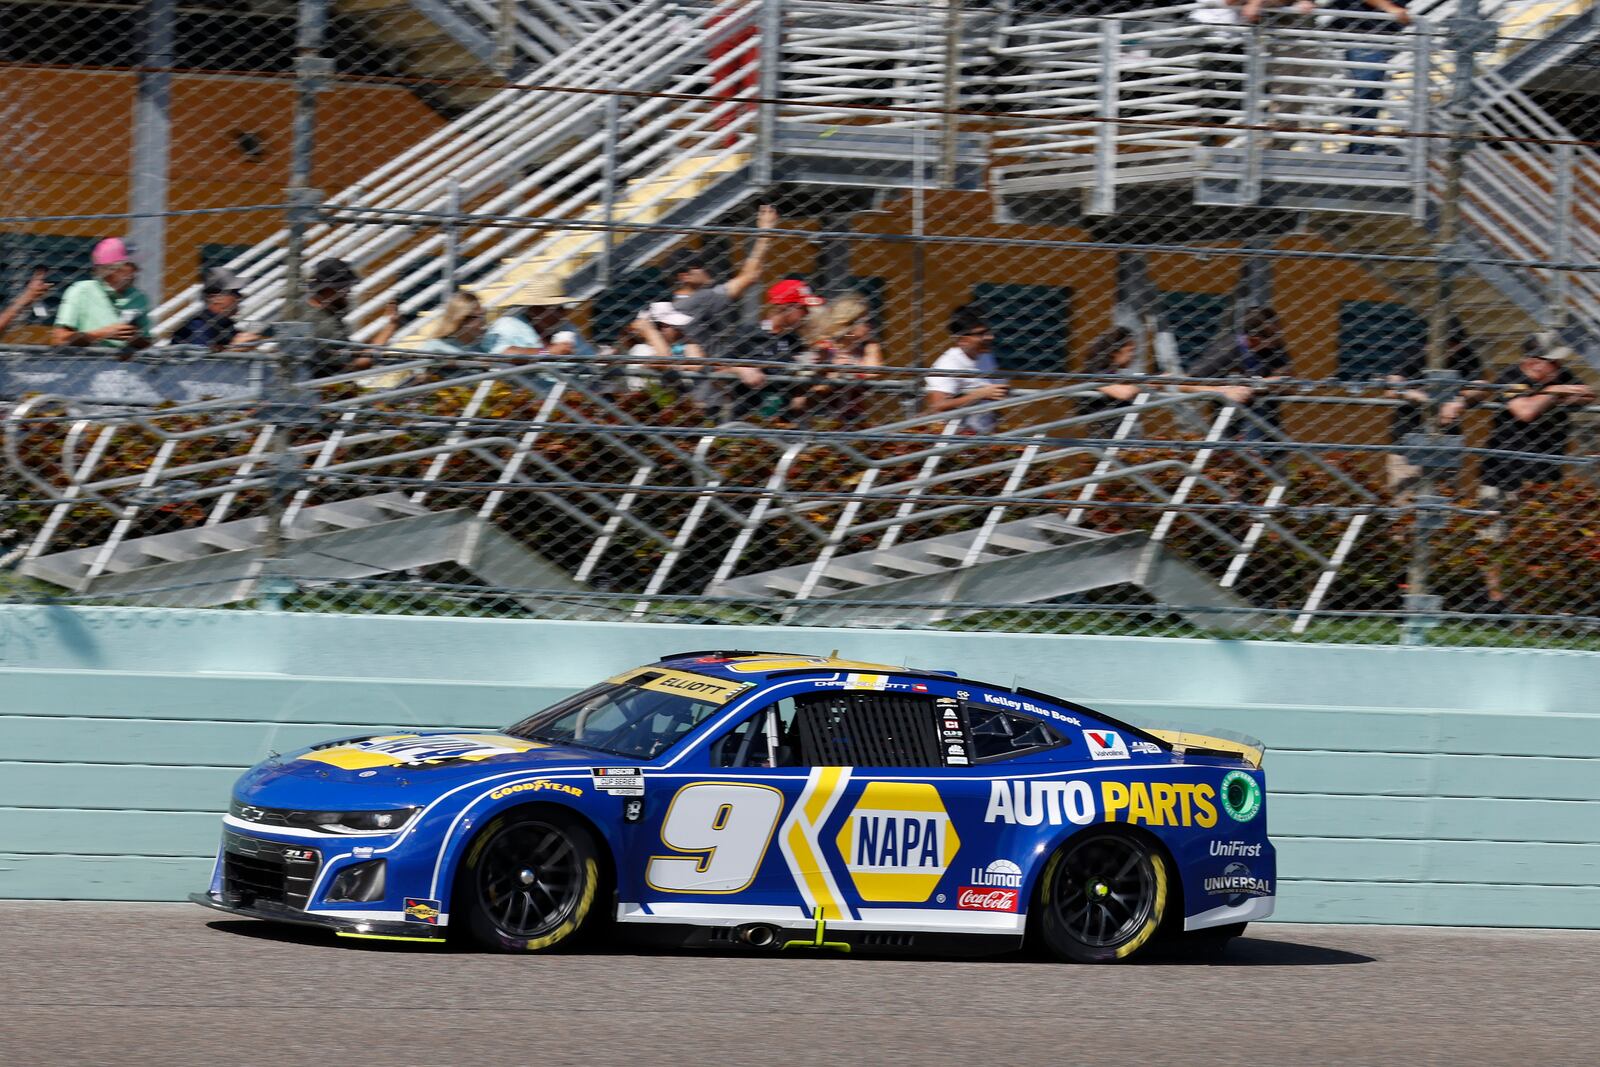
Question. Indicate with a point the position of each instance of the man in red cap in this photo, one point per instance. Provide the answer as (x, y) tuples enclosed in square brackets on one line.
[(787, 305)]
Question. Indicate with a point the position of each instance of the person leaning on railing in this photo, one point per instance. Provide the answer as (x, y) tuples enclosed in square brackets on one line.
[(214, 326), (972, 354), (1114, 354), (844, 347), (106, 311), (1291, 53), (1535, 420)]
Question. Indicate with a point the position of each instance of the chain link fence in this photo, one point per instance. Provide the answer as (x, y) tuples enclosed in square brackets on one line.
[(1208, 319)]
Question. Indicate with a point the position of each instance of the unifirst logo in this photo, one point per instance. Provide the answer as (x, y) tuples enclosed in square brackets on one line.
[(898, 841)]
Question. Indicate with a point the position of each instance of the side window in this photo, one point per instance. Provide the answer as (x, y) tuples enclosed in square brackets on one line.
[(1000, 734), (765, 739), (872, 729)]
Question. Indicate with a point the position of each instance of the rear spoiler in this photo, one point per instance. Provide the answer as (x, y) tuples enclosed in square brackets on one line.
[(1251, 751)]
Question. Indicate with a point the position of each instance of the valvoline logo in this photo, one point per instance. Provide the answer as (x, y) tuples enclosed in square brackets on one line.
[(1105, 744), (898, 841)]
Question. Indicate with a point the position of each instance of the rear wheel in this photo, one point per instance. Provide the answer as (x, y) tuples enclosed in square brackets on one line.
[(1102, 897), (530, 882)]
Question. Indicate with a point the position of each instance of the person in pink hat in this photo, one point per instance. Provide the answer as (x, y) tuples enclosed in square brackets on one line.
[(105, 311)]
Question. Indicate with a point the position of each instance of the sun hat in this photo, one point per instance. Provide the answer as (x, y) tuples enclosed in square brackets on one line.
[(665, 313), (542, 290)]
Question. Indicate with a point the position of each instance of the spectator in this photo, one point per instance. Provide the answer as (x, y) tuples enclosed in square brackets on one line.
[(843, 345), (1366, 58), (562, 343), (328, 289), (972, 351), (214, 326), (1534, 421), (105, 311), (1220, 62), (1462, 361), (537, 313), (1255, 350), (655, 341), (37, 288), (460, 329), (1113, 355), (778, 340), (1291, 55), (713, 308)]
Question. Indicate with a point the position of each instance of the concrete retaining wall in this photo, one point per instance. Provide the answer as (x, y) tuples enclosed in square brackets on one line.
[(1408, 785)]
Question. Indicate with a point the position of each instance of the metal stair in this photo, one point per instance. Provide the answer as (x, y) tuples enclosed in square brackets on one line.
[(347, 539), (1025, 561), (678, 112)]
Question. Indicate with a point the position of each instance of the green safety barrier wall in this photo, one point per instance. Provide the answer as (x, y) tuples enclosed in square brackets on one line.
[(1408, 785)]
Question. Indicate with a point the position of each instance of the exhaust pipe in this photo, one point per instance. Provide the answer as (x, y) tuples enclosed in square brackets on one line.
[(758, 935)]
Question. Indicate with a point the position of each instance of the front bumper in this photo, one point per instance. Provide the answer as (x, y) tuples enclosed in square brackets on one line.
[(344, 927)]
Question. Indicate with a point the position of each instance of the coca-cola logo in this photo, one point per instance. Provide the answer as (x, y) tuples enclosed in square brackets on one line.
[(986, 899)]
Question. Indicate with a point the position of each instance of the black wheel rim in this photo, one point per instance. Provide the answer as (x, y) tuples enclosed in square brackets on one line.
[(529, 879), (1104, 890)]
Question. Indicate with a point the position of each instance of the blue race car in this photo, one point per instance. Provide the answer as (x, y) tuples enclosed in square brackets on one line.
[(765, 800)]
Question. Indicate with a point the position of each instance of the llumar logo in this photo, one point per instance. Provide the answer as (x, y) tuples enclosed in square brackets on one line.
[(898, 841)]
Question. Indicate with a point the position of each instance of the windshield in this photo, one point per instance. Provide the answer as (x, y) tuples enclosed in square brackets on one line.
[(623, 719)]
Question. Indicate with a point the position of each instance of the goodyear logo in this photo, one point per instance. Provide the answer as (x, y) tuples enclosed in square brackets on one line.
[(898, 841), (535, 787), (410, 750)]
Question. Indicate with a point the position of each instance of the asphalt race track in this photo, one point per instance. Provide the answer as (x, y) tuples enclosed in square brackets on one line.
[(170, 984)]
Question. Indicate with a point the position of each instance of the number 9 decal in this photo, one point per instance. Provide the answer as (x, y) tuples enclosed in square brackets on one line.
[(720, 832)]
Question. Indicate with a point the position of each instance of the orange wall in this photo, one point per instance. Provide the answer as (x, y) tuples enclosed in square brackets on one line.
[(66, 147)]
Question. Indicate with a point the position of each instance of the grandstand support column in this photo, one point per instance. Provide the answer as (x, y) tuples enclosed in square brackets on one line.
[(1469, 34), (294, 350), (152, 139), (951, 127), (1561, 244), (609, 164), (769, 85), (1104, 200)]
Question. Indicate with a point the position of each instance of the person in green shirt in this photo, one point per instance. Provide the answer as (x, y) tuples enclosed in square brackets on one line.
[(105, 311)]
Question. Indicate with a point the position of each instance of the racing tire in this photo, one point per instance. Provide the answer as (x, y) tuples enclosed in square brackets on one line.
[(1102, 897), (530, 882)]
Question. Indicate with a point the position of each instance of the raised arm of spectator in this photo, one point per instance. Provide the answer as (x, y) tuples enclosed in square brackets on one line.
[(1392, 9), (646, 328), (37, 286), (750, 270), (391, 323)]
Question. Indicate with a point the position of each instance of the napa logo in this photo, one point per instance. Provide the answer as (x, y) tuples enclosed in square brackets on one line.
[(898, 841)]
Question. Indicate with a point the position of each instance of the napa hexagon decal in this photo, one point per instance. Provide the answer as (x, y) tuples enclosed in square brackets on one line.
[(898, 841)]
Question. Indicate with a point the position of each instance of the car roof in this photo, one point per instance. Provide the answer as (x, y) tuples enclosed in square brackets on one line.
[(748, 666)]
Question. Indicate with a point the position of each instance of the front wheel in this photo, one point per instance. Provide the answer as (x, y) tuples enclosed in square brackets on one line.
[(1103, 896), (529, 882)]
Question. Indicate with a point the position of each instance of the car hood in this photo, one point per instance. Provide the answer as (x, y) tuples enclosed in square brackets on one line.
[(398, 769)]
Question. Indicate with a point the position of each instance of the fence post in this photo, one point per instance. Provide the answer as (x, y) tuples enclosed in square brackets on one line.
[(1468, 35), (452, 235), (293, 333), (608, 196)]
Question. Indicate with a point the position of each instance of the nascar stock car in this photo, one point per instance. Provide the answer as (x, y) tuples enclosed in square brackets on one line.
[(763, 801)]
